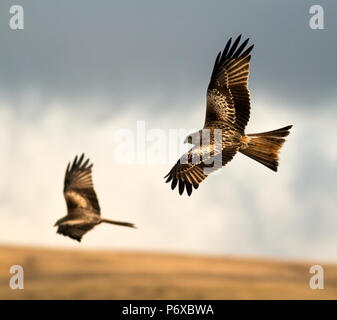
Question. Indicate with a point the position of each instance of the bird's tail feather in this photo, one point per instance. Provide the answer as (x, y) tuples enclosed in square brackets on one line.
[(119, 223), (265, 147)]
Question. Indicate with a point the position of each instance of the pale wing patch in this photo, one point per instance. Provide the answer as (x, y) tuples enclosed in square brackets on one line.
[(195, 165), (220, 107), (76, 200), (73, 222)]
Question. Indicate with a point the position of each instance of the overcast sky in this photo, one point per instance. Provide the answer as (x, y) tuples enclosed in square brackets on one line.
[(82, 70)]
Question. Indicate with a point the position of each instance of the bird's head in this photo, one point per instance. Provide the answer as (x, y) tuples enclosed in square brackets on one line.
[(188, 139), (193, 138)]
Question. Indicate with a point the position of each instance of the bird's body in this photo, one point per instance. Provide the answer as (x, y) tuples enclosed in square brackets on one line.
[(227, 114), (82, 203)]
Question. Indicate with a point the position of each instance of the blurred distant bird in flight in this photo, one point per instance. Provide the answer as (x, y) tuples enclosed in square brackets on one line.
[(84, 212), (227, 114)]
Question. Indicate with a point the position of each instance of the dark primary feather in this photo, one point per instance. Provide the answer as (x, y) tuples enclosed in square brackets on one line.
[(190, 175), (78, 182), (228, 99)]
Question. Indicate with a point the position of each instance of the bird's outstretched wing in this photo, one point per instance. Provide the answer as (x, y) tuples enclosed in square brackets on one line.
[(195, 165), (78, 186), (228, 99)]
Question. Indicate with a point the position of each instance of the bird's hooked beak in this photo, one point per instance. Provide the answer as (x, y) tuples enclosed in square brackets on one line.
[(188, 140)]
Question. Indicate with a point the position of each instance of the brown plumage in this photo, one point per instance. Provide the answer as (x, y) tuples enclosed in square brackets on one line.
[(227, 114), (84, 212)]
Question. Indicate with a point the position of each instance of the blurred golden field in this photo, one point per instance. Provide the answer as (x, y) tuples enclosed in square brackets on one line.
[(67, 274)]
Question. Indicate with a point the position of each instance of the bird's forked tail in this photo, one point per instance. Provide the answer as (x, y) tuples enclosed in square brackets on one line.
[(265, 147), (119, 223)]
